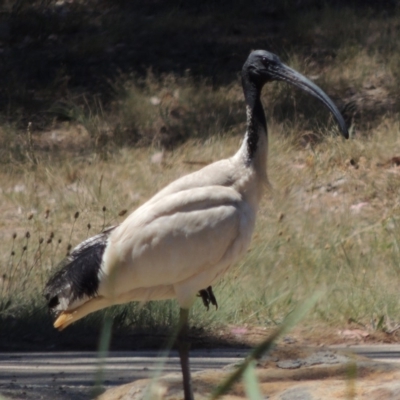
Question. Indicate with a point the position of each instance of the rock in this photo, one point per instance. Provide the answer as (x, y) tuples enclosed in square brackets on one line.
[(300, 374), (289, 364), (296, 394)]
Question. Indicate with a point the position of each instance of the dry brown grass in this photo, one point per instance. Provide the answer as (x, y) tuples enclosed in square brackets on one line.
[(330, 221)]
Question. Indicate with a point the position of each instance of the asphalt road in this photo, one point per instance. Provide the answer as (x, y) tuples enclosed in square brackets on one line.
[(70, 375)]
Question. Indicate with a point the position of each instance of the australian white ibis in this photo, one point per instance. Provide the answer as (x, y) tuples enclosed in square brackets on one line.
[(187, 235)]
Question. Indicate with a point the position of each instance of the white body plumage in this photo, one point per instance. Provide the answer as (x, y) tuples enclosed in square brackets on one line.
[(181, 240)]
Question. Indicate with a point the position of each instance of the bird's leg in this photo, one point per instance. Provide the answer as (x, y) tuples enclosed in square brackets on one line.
[(212, 298), (183, 348), (208, 297)]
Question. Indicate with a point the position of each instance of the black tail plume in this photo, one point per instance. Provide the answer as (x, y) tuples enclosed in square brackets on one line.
[(77, 276)]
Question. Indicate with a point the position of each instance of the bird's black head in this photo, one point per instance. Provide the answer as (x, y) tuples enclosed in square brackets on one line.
[(262, 66)]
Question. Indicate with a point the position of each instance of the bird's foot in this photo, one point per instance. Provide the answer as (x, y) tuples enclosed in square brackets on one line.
[(208, 297)]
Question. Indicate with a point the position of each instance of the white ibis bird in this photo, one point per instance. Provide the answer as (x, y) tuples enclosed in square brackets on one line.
[(187, 235)]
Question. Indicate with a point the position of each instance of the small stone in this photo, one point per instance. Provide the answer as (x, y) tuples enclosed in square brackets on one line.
[(296, 394), (289, 364), (155, 100), (157, 158), (289, 340)]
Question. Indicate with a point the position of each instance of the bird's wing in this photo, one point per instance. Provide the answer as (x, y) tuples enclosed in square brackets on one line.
[(219, 173), (176, 239)]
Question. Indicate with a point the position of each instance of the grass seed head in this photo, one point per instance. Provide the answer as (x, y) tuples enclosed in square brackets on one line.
[(76, 216), (122, 213), (27, 235)]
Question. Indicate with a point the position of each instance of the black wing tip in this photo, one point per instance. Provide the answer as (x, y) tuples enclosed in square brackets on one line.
[(77, 275), (51, 294)]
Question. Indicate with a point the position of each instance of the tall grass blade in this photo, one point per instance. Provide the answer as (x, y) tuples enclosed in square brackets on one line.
[(351, 380), (104, 345), (150, 390), (251, 385)]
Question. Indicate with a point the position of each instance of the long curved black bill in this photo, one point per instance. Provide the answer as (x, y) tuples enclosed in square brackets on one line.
[(289, 75)]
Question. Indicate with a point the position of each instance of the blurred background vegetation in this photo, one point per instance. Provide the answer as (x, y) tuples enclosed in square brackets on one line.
[(140, 72)]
